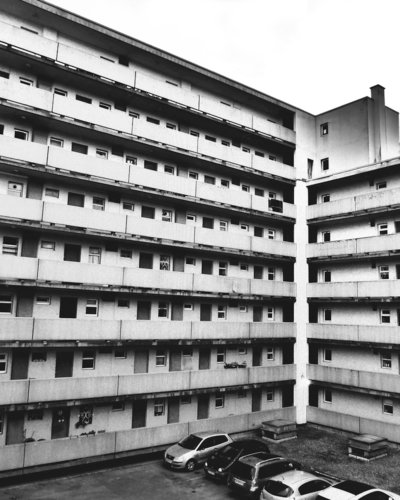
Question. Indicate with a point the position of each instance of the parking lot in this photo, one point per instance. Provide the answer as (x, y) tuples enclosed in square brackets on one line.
[(321, 449)]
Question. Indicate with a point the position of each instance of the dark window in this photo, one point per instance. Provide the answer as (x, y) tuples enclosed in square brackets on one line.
[(324, 128), (208, 222), (209, 180), (325, 164), (82, 98), (146, 260), (1, 129), (259, 153), (236, 144), (72, 253), (76, 199), (259, 192), (257, 314), (148, 212), (123, 60), (258, 272), (326, 236), (258, 231), (117, 151), (79, 148), (4, 74), (121, 106), (143, 310), (211, 138), (206, 267), (150, 165), (205, 312), (153, 120)]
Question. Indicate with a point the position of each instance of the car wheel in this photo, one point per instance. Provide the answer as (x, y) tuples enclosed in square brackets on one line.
[(190, 466)]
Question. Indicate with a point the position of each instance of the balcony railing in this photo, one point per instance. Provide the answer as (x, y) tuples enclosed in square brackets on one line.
[(64, 389), (371, 334), (356, 289)]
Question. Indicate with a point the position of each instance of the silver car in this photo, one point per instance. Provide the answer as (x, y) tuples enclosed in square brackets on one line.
[(195, 449), (294, 485)]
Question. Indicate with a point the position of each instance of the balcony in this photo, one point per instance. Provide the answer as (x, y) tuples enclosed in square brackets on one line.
[(332, 249), (25, 95), (21, 268), (162, 135), (155, 330), (368, 202), (272, 167), (272, 330), (163, 280), (358, 334), (13, 329), (355, 289), (151, 228), (162, 182), (83, 217), (221, 284), (20, 208), (273, 247), (63, 329), (272, 288), (25, 151), (220, 152), (228, 113), (30, 42), (274, 129), (77, 272), (380, 382)]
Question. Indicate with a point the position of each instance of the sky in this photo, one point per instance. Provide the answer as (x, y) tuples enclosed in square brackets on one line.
[(313, 54)]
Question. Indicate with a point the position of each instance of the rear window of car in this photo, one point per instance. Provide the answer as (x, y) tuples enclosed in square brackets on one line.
[(278, 489), (272, 469), (353, 487), (243, 471)]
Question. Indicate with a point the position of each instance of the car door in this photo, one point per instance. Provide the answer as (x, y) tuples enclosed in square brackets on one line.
[(219, 442), (205, 449)]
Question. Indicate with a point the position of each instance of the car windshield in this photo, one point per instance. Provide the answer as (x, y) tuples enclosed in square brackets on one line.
[(244, 471), (278, 489), (190, 443), (229, 452)]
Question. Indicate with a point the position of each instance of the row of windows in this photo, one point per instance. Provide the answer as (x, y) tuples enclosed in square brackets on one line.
[(381, 228), (387, 404), (385, 357), (385, 315), (383, 273), (326, 197)]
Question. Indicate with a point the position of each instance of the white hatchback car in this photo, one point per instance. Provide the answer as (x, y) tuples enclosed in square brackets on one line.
[(195, 449), (353, 490), (294, 485)]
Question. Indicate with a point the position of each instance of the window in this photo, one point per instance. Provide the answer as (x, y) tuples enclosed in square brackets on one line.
[(245, 149), (26, 81), (148, 212), (94, 255), (145, 260), (56, 141), (10, 245), (125, 253), (120, 354), (225, 183), (166, 215), (325, 164), (3, 362), (91, 307), (387, 406), (242, 350), (223, 268), (194, 133), (188, 307), (270, 395), (190, 261), (123, 303), (98, 203), (143, 310), (39, 356), (35, 415), (259, 153), (45, 301), (271, 234), (328, 396), (225, 143), (150, 119), (223, 225), (76, 199), (21, 134), (326, 236), (187, 352), (270, 313), (15, 189), (101, 153), (159, 407), (244, 227), (131, 160), (258, 272), (134, 114), (245, 188), (208, 222), (79, 148), (221, 314), (381, 185), (4, 74), (219, 400), (193, 175), (270, 353), (150, 165), (169, 170), (259, 192), (163, 310), (83, 98), (118, 406), (6, 304), (52, 193), (327, 354), (243, 309), (244, 267), (208, 179), (191, 217), (325, 198), (161, 357), (127, 205), (206, 266), (384, 272), (88, 360), (324, 129), (258, 232), (385, 315), (326, 276), (220, 355), (105, 105), (383, 228), (272, 157), (186, 399), (171, 126), (271, 273), (327, 314), (165, 262), (386, 359), (61, 92), (210, 138)]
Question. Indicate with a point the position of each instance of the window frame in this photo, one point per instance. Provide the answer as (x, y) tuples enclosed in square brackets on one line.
[(92, 304), (89, 359), (161, 357)]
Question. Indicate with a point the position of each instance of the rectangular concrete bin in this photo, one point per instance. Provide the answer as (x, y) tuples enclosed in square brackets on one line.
[(367, 447), (278, 430)]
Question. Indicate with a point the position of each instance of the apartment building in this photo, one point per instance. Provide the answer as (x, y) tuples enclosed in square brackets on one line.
[(156, 244)]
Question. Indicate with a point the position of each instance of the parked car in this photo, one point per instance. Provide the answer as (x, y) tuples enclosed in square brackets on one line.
[(353, 490), (195, 449), (249, 474), (219, 464), (294, 484)]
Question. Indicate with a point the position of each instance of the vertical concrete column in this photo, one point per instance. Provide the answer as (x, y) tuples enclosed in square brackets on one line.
[(379, 122)]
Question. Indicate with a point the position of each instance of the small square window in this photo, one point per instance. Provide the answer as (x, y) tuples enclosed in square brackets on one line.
[(61, 92), (194, 133), (94, 255), (98, 203), (190, 261), (325, 164), (166, 215), (43, 300), (134, 114), (244, 227), (324, 129), (127, 205), (210, 138), (245, 188), (39, 356), (79, 148), (386, 359), (326, 276), (259, 192), (125, 253), (272, 157), (243, 309), (270, 353), (191, 218), (223, 268), (186, 399), (193, 175), (10, 245), (187, 352), (118, 406), (258, 232), (26, 81), (101, 153), (219, 400), (327, 354), (171, 126), (35, 415), (223, 225), (384, 272), (56, 141), (163, 309), (52, 193), (88, 360), (21, 134), (242, 350), (327, 315), (245, 149), (48, 245), (169, 170), (221, 314), (328, 396), (150, 165), (385, 315), (92, 306), (387, 406), (148, 212), (270, 313), (150, 119), (271, 273), (208, 179), (220, 355), (326, 236), (259, 153), (270, 395), (383, 228), (325, 198), (225, 183), (6, 304), (381, 185), (123, 303), (105, 105), (244, 267), (120, 354), (131, 160), (15, 189), (271, 234), (225, 143), (161, 357), (3, 362), (165, 263), (159, 407), (188, 307), (83, 98)]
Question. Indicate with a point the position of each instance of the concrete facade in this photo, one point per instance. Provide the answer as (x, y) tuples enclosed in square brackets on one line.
[(155, 257)]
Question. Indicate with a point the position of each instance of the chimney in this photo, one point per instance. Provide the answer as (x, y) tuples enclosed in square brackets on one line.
[(379, 122)]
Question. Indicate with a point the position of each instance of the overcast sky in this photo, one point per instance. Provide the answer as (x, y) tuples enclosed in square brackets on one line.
[(314, 54)]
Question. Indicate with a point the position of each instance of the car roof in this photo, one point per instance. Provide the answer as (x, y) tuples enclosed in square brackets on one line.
[(205, 434), (354, 487), (260, 456), (245, 442), (293, 477)]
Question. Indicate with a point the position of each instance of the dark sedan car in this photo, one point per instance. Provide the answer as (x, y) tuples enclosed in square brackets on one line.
[(218, 465)]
